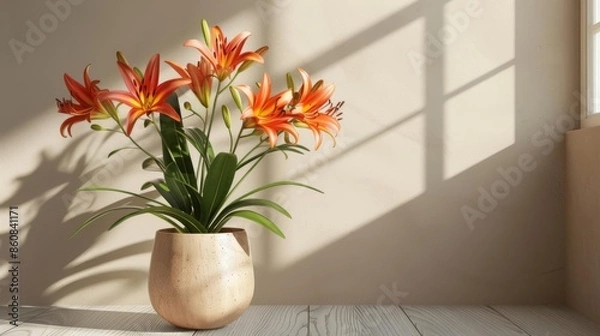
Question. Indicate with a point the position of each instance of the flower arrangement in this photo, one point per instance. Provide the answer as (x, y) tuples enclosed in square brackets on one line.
[(197, 195)]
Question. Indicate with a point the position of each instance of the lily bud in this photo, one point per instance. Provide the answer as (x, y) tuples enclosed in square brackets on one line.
[(138, 72), (290, 81), (226, 116), (205, 96), (121, 57), (236, 97), (206, 32), (187, 106), (97, 127)]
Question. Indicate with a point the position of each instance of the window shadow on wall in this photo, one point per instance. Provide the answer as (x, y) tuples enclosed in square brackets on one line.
[(406, 248)]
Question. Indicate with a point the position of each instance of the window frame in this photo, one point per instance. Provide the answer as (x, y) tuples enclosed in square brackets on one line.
[(588, 29)]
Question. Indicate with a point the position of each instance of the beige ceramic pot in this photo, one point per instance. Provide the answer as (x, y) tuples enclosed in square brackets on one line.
[(201, 281)]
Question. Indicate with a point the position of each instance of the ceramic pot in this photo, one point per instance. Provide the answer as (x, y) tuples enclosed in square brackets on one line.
[(201, 281)]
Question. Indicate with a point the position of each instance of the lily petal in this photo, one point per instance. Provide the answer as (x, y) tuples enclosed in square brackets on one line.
[(164, 90), (132, 117), (123, 97), (152, 70), (131, 79)]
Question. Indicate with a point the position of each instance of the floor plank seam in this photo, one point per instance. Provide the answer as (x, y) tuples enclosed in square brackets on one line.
[(411, 321), (44, 311), (509, 320), (308, 322), (5, 331), (47, 309)]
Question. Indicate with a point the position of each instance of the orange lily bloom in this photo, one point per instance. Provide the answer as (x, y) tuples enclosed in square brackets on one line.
[(225, 56), (312, 108), (201, 77), (87, 106), (266, 113), (145, 95)]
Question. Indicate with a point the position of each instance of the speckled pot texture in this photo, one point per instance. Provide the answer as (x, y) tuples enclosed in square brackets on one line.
[(201, 281)]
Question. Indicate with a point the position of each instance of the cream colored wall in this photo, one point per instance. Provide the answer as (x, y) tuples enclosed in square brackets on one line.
[(583, 231), (446, 185)]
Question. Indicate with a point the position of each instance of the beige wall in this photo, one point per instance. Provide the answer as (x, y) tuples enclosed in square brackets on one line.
[(583, 229), (443, 99)]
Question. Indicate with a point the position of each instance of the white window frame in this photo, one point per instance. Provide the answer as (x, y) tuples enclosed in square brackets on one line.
[(588, 69)]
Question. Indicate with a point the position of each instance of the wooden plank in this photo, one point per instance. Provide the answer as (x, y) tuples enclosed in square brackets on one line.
[(266, 321), (322, 320), (359, 320), (108, 320), (25, 313), (549, 320), (460, 321)]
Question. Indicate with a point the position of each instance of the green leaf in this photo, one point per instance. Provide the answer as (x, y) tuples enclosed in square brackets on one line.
[(276, 184), (163, 190), (247, 203), (199, 140), (257, 202), (177, 227), (196, 201), (177, 189), (258, 218), (175, 147), (100, 215), (152, 164), (118, 150), (187, 220), (298, 149), (217, 183), (122, 192)]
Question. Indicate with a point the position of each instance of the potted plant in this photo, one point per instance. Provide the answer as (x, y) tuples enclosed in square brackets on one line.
[(201, 274)]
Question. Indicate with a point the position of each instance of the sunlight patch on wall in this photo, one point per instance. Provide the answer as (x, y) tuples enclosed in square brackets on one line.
[(377, 20), (479, 123), (369, 178), (378, 163), (384, 32), (465, 36)]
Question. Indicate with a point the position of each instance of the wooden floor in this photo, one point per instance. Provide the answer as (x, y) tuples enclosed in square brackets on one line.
[(313, 320)]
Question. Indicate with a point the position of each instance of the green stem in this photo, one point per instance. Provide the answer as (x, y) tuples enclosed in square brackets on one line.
[(198, 115), (163, 140), (205, 120), (210, 123), (219, 91), (212, 114), (231, 148), (237, 140), (244, 176), (135, 142), (201, 158), (252, 150)]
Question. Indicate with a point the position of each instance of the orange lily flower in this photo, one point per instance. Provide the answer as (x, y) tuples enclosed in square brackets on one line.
[(145, 95), (225, 56), (266, 113), (312, 108), (87, 106), (201, 76)]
